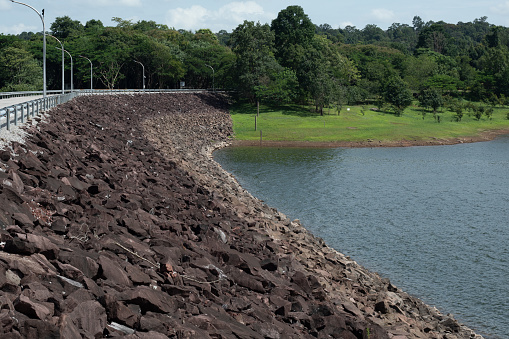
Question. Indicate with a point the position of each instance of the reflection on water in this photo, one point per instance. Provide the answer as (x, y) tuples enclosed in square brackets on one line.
[(432, 219)]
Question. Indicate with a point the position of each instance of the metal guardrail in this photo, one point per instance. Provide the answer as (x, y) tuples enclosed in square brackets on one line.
[(21, 112), (6, 95)]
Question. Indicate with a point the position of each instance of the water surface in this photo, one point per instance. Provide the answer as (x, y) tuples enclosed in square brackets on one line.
[(432, 219)]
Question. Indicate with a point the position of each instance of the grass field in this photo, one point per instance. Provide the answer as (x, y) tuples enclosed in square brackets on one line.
[(356, 123)]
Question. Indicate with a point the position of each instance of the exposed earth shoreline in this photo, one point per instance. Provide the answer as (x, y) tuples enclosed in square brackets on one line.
[(115, 221), (483, 136)]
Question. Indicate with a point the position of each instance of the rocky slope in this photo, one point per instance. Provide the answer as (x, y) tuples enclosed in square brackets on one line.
[(116, 222)]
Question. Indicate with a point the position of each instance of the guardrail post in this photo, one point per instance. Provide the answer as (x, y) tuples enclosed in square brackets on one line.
[(8, 116), (22, 114), (16, 115)]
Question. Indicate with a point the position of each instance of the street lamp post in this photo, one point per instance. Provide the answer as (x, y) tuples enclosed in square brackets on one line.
[(43, 45), (213, 77), (91, 71), (72, 85), (63, 68), (143, 74)]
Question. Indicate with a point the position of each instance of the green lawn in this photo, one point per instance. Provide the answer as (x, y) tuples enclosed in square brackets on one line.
[(356, 123)]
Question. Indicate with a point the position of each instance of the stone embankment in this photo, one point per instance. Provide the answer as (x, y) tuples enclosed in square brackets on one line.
[(116, 222)]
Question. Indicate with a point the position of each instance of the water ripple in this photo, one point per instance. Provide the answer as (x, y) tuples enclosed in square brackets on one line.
[(432, 219)]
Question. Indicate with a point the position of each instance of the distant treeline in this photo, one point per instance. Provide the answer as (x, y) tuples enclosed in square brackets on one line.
[(289, 60)]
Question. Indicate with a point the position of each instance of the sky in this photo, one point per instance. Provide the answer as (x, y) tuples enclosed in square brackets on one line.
[(227, 14)]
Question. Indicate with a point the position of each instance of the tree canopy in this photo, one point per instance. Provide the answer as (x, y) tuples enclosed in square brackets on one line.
[(288, 60)]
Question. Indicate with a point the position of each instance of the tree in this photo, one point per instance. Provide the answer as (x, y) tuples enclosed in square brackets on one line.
[(255, 65), (21, 72), (397, 94), (294, 32), (334, 35), (122, 23), (418, 23), (320, 69), (145, 26), (279, 88), (161, 66), (198, 54), (373, 34), (223, 37), (404, 35), (434, 38), (431, 98), (94, 27), (65, 26), (112, 52), (352, 35), (206, 35)]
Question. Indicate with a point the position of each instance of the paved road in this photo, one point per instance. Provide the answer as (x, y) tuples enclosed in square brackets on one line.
[(17, 100)]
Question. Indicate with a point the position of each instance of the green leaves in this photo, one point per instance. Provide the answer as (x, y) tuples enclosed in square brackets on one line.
[(20, 71), (64, 26), (279, 89), (292, 27), (255, 66), (396, 93)]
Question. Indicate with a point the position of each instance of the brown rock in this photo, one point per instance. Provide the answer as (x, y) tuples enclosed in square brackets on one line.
[(119, 312), (246, 280), (90, 317), (67, 327), (82, 261), (149, 299), (300, 279), (31, 309), (113, 272), (33, 328)]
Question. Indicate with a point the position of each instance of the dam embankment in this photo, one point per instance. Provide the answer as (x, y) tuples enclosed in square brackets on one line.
[(116, 221)]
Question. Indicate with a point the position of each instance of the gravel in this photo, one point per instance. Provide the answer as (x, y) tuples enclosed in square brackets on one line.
[(17, 133)]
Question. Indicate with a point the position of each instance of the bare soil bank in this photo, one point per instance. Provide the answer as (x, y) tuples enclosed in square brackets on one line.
[(483, 136), (116, 222)]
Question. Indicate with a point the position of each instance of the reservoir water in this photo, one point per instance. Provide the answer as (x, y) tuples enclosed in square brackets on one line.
[(435, 220)]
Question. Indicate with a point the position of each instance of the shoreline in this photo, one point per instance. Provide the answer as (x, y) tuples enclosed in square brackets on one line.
[(482, 137), (400, 314), (130, 228)]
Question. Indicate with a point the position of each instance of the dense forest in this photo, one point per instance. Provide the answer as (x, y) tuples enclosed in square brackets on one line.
[(289, 60)]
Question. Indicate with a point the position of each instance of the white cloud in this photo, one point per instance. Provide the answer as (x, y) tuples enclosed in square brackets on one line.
[(19, 28), (227, 17), (241, 9), (187, 18), (346, 23), (382, 14), (131, 3), (111, 3)]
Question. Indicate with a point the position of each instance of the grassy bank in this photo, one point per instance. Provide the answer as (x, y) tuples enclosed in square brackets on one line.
[(356, 124)]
